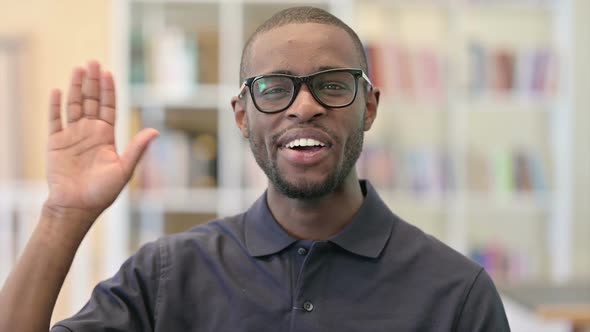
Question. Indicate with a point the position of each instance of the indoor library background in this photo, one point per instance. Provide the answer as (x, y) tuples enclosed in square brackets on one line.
[(482, 137)]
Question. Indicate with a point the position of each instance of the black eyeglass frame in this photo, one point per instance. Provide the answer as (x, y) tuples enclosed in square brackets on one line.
[(298, 80)]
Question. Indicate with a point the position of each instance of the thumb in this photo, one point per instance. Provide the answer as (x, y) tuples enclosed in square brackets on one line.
[(136, 148)]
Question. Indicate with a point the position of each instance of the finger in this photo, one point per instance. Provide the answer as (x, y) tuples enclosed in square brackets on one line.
[(136, 148), (107, 98), (74, 109), (55, 111), (91, 90)]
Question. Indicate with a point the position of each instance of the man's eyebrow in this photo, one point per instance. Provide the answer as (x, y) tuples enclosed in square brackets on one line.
[(322, 68), (280, 71), (288, 72)]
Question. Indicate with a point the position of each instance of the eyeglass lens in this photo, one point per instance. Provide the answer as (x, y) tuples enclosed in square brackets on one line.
[(334, 89)]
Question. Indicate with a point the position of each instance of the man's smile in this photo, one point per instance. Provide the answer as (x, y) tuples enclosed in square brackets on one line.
[(304, 147)]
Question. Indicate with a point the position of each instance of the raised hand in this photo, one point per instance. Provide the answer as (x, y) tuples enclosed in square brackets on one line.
[(85, 175), (84, 170)]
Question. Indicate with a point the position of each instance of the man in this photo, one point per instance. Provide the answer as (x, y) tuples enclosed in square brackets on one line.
[(319, 251)]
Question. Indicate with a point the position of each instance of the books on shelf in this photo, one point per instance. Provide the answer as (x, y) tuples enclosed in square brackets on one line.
[(407, 72), (420, 74), (203, 161), (419, 171), (431, 171), (506, 171), (420, 161), (180, 159), (504, 264), (173, 60), (501, 71), (377, 164)]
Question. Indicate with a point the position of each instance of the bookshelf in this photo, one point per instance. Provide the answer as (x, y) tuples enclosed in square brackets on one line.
[(470, 144), (179, 62), (477, 100), (14, 216)]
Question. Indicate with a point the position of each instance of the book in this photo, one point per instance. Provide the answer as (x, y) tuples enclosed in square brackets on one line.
[(478, 73), (503, 69), (403, 72), (203, 161), (174, 62)]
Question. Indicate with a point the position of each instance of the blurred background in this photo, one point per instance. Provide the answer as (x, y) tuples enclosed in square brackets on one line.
[(482, 138)]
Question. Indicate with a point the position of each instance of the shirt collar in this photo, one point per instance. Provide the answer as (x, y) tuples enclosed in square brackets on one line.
[(263, 234), (366, 235), (370, 228)]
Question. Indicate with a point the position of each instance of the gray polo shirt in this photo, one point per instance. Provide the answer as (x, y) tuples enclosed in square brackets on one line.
[(245, 273)]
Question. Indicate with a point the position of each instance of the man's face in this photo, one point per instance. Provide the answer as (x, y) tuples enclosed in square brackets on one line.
[(312, 171)]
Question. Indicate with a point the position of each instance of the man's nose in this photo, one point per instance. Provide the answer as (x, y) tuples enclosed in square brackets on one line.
[(305, 108)]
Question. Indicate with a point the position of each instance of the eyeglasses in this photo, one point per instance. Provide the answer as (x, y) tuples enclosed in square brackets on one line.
[(332, 88)]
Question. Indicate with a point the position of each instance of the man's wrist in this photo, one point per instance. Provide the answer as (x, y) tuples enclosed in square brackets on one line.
[(66, 222)]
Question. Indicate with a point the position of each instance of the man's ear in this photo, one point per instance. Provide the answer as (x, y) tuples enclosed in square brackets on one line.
[(371, 104), (240, 116)]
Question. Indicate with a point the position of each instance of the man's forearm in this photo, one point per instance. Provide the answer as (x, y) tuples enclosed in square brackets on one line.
[(29, 294)]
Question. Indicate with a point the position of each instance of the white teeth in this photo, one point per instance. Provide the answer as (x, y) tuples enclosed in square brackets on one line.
[(304, 142)]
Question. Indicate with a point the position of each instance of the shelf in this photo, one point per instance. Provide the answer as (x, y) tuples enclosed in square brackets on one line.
[(23, 193), (488, 5), (204, 96), (505, 104), (429, 200), (509, 202), (475, 202), (476, 104), (179, 200), (193, 200), (413, 5), (471, 98), (407, 104), (167, 2), (501, 6)]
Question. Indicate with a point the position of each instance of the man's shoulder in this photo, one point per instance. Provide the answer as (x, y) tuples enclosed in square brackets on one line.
[(214, 229), (428, 254), (206, 238)]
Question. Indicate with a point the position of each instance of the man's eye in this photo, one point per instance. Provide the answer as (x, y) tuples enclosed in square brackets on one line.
[(333, 86), (274, 90)]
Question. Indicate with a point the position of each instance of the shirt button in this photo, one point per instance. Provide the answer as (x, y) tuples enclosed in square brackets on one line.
[(302, 251), (308, 306)]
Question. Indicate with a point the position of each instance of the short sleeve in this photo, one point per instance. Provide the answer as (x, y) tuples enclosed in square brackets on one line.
[(482, 310), (125, 302)]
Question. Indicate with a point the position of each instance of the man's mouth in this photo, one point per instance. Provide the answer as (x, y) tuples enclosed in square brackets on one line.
[(305, 145), (305, 151)]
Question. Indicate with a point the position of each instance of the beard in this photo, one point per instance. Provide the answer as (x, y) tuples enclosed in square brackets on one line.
[(305, 189)]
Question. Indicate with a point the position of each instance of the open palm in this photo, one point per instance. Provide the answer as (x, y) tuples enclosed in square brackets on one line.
[(84, 170)]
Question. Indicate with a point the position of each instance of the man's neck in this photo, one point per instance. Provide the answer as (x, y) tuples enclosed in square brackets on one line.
[(317, 219)]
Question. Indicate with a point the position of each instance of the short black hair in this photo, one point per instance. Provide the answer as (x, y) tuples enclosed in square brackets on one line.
[(303, 14)]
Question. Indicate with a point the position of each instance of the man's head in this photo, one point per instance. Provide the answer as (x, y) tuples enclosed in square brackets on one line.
[(301, 15), (299, 42)]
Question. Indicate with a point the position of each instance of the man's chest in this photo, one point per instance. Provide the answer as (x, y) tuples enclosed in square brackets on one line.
[(305, 288)]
